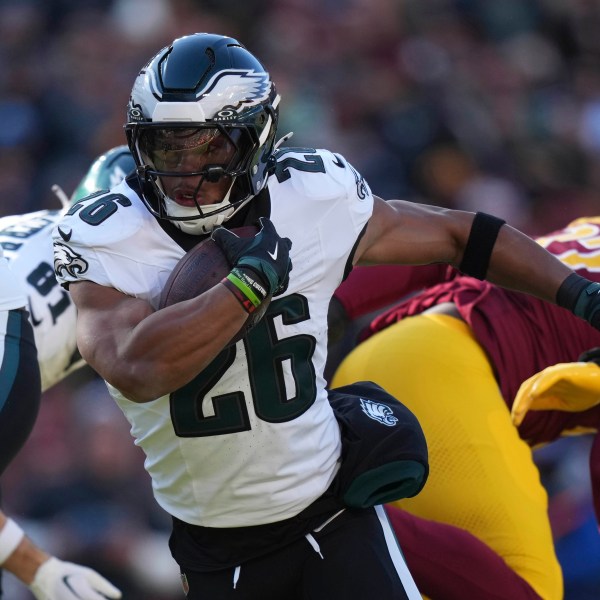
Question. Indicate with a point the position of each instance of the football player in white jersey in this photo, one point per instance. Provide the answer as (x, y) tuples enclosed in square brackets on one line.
[(27, 243), (30, 282), (48, 577), (271, 495)]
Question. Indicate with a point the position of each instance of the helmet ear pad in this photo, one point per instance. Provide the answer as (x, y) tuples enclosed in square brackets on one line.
[(205, 81)]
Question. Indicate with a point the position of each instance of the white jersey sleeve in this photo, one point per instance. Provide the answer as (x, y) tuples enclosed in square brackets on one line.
[(27, 243), (112, 240), (331, 204)]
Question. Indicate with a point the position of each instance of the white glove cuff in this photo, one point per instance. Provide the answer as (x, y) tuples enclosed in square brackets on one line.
[(10, 537)]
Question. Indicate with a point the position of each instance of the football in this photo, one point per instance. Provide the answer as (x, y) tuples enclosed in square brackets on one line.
[(200, 269)]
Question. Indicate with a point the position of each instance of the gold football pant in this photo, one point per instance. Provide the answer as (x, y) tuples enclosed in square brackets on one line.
[(482, 475)]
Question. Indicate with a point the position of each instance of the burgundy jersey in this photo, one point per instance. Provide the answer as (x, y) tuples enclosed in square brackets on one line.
[(521, 334)]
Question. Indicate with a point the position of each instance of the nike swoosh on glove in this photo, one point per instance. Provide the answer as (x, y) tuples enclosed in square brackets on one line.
[(266, 254), (60, 580)]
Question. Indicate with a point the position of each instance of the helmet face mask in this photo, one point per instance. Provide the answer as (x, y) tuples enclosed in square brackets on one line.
[(201, 123)]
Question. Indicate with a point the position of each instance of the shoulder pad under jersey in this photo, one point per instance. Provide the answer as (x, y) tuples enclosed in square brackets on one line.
[(103, 218), (319, 173)]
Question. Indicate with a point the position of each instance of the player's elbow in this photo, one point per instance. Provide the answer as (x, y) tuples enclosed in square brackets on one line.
[(139, 382)]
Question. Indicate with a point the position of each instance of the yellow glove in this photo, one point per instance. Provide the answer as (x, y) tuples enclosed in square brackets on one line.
[(572, 387)]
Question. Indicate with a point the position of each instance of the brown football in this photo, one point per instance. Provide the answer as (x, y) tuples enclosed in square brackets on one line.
[(200, 269)]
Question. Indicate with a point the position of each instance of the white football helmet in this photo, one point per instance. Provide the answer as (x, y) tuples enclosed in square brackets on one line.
[(202, 111)]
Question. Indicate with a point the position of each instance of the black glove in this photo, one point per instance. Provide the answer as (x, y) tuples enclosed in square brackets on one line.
[(264, 258), (591, 355), (582, 297)]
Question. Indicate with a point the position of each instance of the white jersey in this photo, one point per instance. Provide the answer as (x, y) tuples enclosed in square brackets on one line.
[(27, 243), (11, 294), (252, 439)]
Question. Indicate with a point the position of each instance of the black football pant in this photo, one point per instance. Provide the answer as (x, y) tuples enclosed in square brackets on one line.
[(354, 557)]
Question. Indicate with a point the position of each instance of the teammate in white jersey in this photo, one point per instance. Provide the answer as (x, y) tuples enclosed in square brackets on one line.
[(270, 493), (27, 243), (26, 240), (48, 577)]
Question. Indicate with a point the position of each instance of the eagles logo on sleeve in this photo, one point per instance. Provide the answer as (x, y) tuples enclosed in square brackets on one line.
[(68, 261), (378, 412)]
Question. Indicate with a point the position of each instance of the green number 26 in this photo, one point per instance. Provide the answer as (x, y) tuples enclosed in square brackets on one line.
[(267, 356)]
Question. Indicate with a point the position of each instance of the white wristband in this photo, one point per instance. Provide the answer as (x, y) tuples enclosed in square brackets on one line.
[(10, 537)]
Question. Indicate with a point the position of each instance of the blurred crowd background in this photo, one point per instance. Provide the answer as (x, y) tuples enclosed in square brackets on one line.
[(475, 104)]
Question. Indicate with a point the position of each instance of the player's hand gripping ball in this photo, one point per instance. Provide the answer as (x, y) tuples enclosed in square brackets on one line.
[(206, 265), (199, 270), (265, 258)]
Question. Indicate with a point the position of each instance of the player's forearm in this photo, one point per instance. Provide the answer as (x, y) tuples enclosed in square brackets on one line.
[(165, 350), (518, 262), (25, 561), (17, 553), (480, 245)]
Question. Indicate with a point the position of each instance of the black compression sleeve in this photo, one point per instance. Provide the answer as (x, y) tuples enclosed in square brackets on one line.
[(480, 244), (582, 297), (570, 289)]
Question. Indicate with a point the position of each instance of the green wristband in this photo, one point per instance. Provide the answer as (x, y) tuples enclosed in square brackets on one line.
[(249, 287)]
